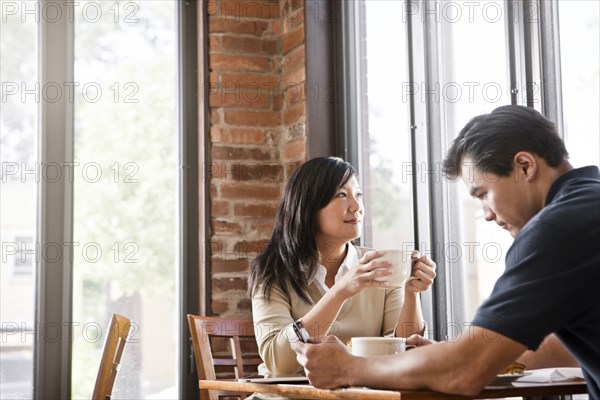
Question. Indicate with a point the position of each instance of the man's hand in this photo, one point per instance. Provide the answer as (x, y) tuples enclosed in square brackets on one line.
[(328, 364)]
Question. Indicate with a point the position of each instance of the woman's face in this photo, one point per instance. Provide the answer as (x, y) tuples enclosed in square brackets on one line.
[(340, 221)]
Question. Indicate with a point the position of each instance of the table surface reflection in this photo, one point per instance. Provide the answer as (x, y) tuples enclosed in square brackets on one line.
[(305, 391)]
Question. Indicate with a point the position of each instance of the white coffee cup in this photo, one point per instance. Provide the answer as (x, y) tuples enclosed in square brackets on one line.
[(377, 346), (401, 263)]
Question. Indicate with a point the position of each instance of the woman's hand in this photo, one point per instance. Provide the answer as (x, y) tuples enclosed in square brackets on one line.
[(423, 273), (364, 275)]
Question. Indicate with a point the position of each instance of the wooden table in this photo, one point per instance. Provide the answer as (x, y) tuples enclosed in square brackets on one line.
[(309, 392)]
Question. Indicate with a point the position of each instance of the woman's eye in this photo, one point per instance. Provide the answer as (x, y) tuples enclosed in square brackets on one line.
[(359, 194), (341, 194)]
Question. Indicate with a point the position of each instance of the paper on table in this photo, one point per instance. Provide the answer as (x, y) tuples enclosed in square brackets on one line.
[(552, 375)]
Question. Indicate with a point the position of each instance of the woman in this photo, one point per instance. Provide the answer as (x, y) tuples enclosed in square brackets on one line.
[(311, 271)]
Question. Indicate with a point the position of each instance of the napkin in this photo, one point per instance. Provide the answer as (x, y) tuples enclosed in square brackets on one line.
[(552, 375)]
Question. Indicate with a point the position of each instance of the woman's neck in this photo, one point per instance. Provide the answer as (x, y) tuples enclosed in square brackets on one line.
[(332, 255)]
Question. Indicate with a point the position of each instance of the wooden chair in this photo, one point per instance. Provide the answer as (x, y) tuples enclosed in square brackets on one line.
[(202, 329), (116, 338)]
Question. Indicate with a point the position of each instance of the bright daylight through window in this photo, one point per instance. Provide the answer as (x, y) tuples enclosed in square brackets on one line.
[(124, 176)]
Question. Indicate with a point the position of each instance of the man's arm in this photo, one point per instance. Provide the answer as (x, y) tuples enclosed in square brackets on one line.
[(464, 366), (551, 353)]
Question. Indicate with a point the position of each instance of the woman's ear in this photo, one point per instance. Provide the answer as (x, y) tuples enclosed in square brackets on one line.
[(526, 167)]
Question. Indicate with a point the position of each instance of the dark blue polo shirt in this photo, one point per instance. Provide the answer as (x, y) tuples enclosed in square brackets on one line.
[(552, 279)]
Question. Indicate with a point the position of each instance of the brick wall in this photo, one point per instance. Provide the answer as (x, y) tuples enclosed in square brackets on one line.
[(257, 115)]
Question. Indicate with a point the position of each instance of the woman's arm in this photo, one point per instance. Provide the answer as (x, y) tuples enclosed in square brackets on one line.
[(272, 320), (320, 318)]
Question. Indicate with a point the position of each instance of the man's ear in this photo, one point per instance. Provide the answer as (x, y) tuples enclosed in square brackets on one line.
[(526, 166)]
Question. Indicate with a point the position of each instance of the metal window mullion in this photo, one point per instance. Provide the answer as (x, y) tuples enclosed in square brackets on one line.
[(550, 66), (418, 129), (528, 49), (516, 38), (192, 43), (434, 118), (52, 353)]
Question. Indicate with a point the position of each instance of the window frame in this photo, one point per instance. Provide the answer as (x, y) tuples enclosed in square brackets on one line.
[(52, 358), (534, 61)]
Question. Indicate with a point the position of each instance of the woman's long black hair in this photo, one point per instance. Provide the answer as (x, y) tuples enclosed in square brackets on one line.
[(291, 257)]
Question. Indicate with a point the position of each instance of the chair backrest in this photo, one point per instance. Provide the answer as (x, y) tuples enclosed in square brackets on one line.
[(116, 338), (202, 329)]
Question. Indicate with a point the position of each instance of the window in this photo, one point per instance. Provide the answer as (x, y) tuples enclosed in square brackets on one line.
[(427, 68), (580, 64), (104, 110), (383, 146), (19, 174), (125, 192), (475, 81), (24, 259)]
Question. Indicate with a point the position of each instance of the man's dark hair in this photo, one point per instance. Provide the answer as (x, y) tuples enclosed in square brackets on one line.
[(491, 141)]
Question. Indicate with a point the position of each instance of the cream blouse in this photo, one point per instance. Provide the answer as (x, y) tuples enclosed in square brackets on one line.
[(372, 312)]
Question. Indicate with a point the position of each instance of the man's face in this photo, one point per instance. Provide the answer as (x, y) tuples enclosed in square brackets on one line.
[(506, 200)]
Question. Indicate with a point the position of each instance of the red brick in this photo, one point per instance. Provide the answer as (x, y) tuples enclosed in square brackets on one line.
[(226, 284), (294, 78), (240, 98), (214, 43), (219, 307), (219, 265), (247, 44), (257, 172), (296, 4), (294, 59), (295, 150), (217, 24), (244, 304), (215, 117), (215, 249), (293, 20), (237, 135), (253, 118), (294, 93), (245, 191), (239, 153), (247, 136), (292, 40), (255, 210), (277, 28), (214, 171), (278, 100), (290, 168), (268, 82), (248, 248), (239, 63), (246, 10), (294, 113), (219, 208), (226, 227), (263, 229)]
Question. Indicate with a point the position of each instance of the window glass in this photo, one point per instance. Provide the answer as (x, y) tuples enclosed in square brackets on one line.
[(580, 64), (476, 81), (383, 125), (125, 154), (19, 174)]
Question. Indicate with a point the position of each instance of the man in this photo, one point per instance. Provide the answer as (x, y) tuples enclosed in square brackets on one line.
[(514, 162)]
